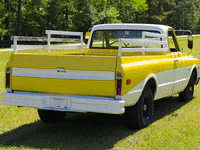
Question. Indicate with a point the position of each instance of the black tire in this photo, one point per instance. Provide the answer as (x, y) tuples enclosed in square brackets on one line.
[(50, 116), (140, 115), (187, 94)]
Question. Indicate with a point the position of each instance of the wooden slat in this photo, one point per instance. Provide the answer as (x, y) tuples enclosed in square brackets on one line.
[(29, 38), (63, 33), (30, 47), (141, 41), (144, 49), (45, 46), (65, 46), (64, 40), (154, 34)]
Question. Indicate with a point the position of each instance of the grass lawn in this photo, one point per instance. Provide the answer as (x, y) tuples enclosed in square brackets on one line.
[(176, 125)]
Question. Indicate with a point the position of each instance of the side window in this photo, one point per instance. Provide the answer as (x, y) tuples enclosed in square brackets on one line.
[(98, 39), (172, 42)]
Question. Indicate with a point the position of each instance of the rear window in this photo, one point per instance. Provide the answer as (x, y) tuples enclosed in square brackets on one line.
[(109, 39)]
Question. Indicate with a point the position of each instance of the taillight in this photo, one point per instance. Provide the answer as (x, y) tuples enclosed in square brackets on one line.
[(8, 77), (119, 83)]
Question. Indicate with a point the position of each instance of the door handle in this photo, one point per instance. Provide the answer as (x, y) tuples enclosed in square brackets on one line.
[(176, 61), (60, 70)]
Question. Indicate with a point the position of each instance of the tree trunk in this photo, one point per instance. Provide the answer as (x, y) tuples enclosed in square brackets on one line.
[(7, 19), (149, 11), (19, 18)]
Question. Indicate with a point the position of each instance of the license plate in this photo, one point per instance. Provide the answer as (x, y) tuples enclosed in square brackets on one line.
[(59, 102)]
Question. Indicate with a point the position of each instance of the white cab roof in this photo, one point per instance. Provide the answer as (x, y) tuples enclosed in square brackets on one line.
[(132, 26)]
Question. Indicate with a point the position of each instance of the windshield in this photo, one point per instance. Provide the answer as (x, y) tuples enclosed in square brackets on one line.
[(109, 39)]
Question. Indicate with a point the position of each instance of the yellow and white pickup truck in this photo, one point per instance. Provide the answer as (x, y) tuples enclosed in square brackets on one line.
[(124, 68)]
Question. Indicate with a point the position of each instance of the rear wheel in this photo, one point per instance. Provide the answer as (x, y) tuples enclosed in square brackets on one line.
[(187, 94), (50, 116), (140, 115)]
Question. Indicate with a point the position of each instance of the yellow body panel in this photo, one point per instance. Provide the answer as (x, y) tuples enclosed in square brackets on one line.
[(87, 34), (140, 67), (64, 86), (75, 62)]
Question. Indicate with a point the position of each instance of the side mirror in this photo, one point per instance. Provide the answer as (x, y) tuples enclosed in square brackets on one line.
[(87, 34), (86, 41), (190, 41)]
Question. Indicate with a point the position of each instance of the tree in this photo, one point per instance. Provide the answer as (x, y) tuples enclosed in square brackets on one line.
[(7, 18), (19, 17), (3, 31), (4, 22), (33, 17)]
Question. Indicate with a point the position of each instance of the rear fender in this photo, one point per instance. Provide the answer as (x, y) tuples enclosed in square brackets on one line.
[(133, 95)]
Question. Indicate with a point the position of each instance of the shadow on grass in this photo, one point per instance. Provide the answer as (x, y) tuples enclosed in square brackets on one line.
[(81, 131)]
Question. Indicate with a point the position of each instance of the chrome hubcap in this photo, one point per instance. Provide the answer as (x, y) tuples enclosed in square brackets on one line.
[(145, 107), (190, 88)]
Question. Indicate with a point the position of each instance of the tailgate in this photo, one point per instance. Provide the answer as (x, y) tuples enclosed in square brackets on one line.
[(64, 74)]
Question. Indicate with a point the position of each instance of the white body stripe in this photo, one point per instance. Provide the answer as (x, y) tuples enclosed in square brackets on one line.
[(168, 83), (63, 74), (164, 87)]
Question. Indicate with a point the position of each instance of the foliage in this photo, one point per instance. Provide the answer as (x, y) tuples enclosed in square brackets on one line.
[(2, 18), (40, 15), (77, 15), (180, 14), (2, 27)]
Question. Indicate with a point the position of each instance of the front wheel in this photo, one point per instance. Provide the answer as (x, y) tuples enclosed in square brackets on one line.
[(50, 116), (140, 115)]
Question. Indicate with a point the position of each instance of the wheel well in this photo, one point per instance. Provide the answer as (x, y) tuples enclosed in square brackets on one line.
[(152, 84)]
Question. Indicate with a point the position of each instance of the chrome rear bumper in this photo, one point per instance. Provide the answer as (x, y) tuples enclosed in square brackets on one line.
[(64, 102)]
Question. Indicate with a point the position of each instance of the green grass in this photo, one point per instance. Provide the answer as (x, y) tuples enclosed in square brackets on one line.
[(176, 125)]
